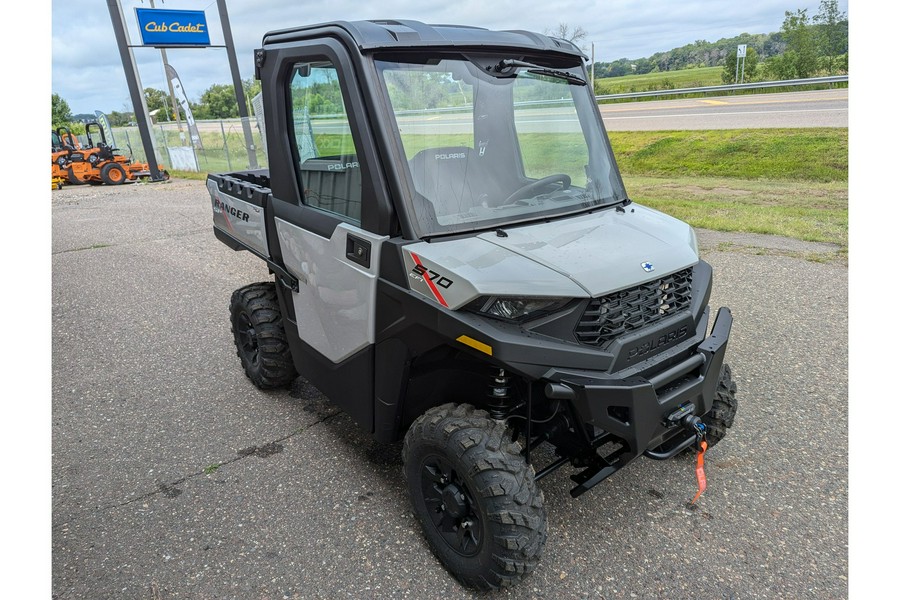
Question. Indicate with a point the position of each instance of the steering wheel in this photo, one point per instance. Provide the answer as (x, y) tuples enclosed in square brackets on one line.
[(531, 189)]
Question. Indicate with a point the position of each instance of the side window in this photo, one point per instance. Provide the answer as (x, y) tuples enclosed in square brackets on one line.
[(328, 168)]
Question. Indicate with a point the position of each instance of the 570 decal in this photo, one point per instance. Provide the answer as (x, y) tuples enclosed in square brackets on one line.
[(430, 277), (434, 276)]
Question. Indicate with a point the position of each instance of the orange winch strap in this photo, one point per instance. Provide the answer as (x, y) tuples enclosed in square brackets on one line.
[(701, 475)]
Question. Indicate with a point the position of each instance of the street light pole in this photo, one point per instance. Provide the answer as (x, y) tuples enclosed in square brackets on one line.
[(165, 60)]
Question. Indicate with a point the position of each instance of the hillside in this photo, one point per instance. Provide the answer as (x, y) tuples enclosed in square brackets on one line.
[(699, 54)]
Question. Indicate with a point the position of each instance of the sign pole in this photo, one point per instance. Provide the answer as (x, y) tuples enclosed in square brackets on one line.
[(238, 84), (165, 60), (134, 87), (741, 61)]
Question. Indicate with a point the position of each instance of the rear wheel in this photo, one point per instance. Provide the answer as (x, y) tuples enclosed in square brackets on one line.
[(260, 337), (481, 510), (113, 174), (71, 178), (721, 417)]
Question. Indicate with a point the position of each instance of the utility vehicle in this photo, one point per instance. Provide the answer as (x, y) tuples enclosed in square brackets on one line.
[(456, 264)]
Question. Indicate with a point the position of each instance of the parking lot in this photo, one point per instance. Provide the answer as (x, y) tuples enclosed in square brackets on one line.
[(174, 477)]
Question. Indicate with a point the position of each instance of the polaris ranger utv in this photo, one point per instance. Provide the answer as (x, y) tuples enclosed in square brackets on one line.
[(456, 264)]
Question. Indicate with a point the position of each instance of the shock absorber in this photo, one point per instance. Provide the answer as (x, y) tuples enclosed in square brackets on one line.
[(499, 398)]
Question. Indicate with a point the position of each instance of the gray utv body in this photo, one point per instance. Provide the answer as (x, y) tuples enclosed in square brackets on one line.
[(456, 264)]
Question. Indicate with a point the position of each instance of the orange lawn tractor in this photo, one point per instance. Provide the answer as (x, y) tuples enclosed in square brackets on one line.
[(56, 153), (98, 163), (63, 145), (71, 160)]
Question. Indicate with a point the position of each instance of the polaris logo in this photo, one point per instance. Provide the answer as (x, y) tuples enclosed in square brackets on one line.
[(647, 266), (657, 343), (454, 156), (343, 166)]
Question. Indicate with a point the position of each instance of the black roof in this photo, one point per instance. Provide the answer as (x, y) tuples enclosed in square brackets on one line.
[(400, 34)]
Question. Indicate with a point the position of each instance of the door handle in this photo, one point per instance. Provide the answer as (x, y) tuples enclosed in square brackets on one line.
[(359, 250)]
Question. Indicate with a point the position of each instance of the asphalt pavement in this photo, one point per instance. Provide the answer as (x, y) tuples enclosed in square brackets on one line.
[(173, 477), (818, 108)]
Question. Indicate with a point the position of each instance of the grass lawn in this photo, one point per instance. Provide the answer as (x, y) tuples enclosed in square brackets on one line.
[(685, 78), (788, 182), (810, 211), (819, 154)]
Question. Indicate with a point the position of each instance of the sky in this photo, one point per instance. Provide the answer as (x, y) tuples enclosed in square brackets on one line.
[(87, 70)]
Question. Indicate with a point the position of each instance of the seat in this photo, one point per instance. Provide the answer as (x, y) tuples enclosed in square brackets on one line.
[(450, 177), (333, 183)]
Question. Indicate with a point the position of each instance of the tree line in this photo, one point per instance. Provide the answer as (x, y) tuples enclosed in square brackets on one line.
[(805, 46), (218, 101)]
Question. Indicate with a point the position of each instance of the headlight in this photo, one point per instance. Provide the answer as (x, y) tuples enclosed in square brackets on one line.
[(516, 309)]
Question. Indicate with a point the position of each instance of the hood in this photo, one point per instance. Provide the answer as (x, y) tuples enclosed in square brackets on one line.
[(608, 250), (589, 255)]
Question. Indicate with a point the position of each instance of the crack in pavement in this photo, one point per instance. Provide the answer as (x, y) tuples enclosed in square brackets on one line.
[(93, 247), (179, 234), (170, 488)]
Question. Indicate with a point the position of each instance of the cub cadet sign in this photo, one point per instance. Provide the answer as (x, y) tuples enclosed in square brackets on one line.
[(173, 27)]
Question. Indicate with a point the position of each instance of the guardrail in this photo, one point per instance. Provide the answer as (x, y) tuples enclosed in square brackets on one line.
[(727, 88)]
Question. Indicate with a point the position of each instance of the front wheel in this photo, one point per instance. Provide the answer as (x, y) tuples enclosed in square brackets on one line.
[(481, 510), (113, 174), (259, 336)]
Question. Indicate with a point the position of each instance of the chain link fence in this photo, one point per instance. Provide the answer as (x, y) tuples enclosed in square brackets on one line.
[(221, 145)]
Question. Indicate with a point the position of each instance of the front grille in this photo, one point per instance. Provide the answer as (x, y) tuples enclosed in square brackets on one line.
[(609, 317)]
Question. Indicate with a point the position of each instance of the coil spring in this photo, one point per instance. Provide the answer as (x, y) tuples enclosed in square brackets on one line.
[(499, 397)]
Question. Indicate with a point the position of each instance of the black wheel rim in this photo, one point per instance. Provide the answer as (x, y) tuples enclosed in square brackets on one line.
[(247, 339), (450, 506)]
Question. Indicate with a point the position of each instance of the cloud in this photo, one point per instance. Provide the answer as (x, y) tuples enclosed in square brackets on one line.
[(83, 40)]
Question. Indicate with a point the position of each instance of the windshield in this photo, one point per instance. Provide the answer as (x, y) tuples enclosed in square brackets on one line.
[(491, 143)]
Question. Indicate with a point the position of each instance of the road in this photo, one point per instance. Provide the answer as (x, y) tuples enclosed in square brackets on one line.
[(823, 108), (173, 477)]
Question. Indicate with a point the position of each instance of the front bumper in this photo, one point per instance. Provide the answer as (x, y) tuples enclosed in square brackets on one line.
[(636, 409)]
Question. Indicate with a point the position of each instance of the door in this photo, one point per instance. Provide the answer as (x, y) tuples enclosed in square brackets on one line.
[(323, 204)]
